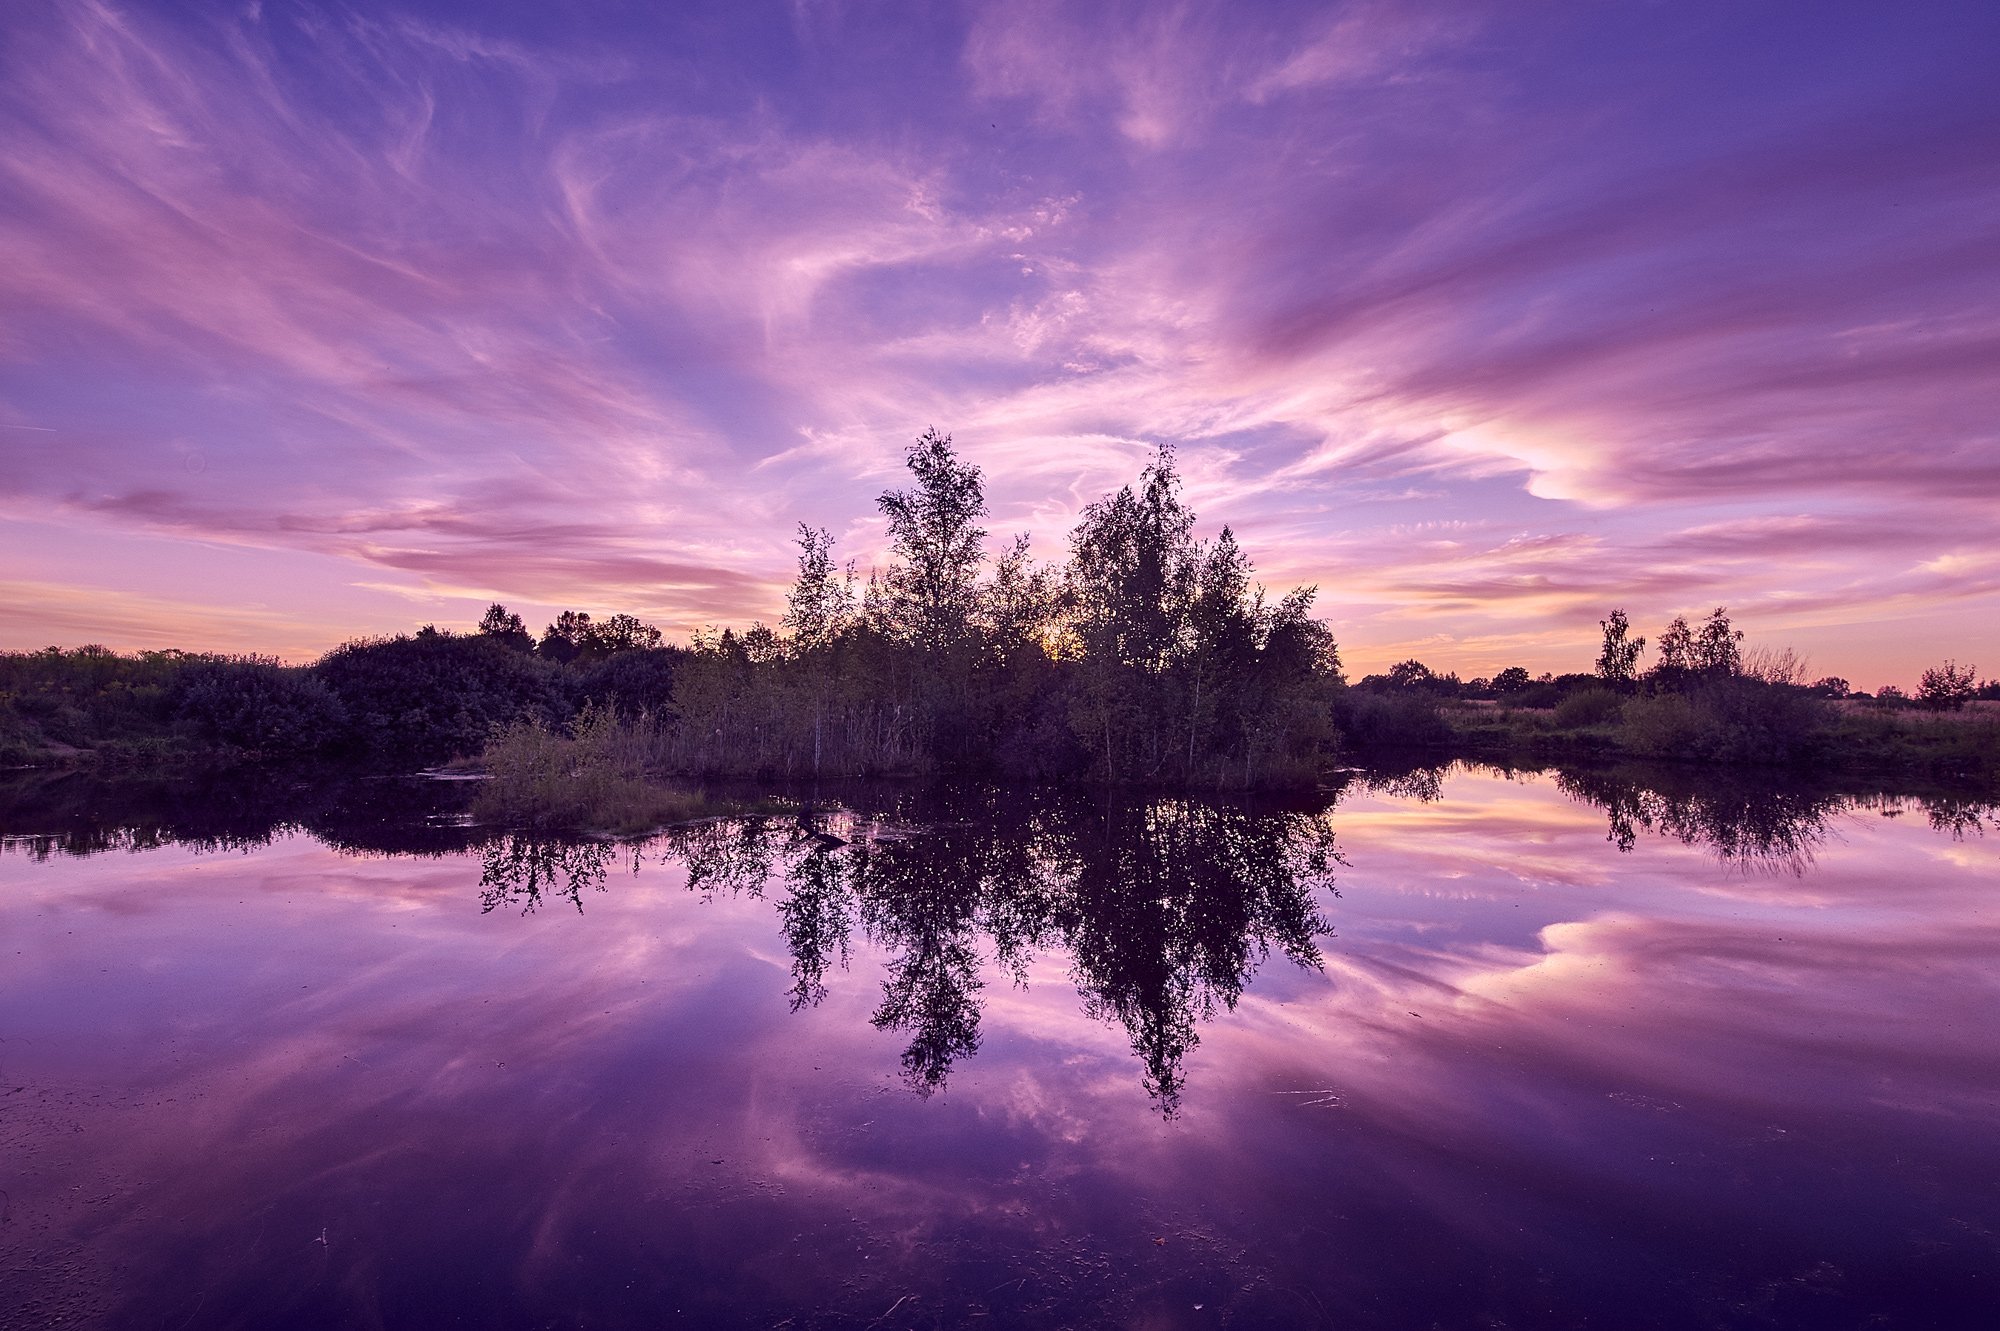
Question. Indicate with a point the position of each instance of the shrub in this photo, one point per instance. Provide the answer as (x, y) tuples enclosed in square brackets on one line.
[(1732, 720), (641, 679), (1390, 720), (437, 695), (1589, 707), (258, 705), (1949, 686)]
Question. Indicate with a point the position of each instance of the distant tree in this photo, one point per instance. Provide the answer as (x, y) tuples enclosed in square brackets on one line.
[(565, 639), (1618, 661), (928, 595), (1831, 686), (506, 628), (1512, 680), (1716, 651), (1410, 674), (761, 646), (1947, 687), (574, 636), (821, 603), (1676, 648), (621, 633)]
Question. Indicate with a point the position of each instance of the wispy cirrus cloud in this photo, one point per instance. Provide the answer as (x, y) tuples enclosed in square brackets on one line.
[(596, 311)]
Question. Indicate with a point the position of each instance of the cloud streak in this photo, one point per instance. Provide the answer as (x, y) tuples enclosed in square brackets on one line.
[(593, 313)]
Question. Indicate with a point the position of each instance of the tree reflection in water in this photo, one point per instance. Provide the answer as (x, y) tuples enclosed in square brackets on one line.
[(1164, 907), (520, 869), (1766, 826)]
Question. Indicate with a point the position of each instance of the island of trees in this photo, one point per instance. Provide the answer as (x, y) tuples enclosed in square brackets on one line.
[(1146, 656)]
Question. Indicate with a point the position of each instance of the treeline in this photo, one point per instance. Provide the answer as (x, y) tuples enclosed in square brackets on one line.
[(1146, 656), (412, 698), (1703, 698)]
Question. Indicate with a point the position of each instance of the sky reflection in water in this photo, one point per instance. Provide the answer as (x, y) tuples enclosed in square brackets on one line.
[(1560, 1051)]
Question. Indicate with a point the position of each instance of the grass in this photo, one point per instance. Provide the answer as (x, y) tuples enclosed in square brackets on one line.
[(592, 779)]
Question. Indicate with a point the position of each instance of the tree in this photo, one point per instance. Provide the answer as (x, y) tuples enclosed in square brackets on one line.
[(575, 637), (1618, 662), (929, 593), (821, 603), (506, 628), (1716, 653), (565, 639), (1511, 680), (1130, 579), (1411, 674), (1018, 603), (1132, 560), (1676, 648), (621, 633), (1947, 687)]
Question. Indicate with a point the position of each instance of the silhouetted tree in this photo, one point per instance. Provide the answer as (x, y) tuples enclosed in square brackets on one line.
[(927, 594), (1949, 686), (506, 628), (1716, 652), (1618, 661)]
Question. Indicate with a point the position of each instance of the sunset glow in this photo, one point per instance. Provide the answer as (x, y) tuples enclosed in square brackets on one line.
[(322, 321)]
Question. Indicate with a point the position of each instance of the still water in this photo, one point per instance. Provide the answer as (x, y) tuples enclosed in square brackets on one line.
[(1460, 1049)]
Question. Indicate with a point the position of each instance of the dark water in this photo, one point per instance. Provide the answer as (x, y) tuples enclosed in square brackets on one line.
[(1451, 1050)]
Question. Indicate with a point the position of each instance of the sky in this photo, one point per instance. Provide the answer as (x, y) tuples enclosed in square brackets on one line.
[(320, 321)]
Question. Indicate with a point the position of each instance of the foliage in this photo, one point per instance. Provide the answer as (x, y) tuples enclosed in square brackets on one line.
[(1148, 656), (1729, 720), (576, 637), (506, 627), (258, 706), (1949, 686), (1589, 707), (1618, 660), (1373, 720), (927, 595), (436, 695), (592, 778)]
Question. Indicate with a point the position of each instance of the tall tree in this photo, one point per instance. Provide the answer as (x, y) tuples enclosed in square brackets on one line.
[(1132, 564), (821, 603), (1676, 648), (929, 592), (1618, 662), (1716, 652)]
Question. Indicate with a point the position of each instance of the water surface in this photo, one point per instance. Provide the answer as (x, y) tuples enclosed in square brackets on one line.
[(1453, 1049)]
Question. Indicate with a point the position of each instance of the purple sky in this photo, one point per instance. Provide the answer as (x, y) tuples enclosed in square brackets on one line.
[(320, 320)]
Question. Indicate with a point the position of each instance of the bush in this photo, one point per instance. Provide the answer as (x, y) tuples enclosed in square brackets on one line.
[(1369, 720), (259, 706), (436, 695), (1663, 726), (641, 679), (1735, 720), (1589, 707), (1949, 686)]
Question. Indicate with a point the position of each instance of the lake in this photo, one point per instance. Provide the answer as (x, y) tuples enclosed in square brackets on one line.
[(1456, 1048)]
